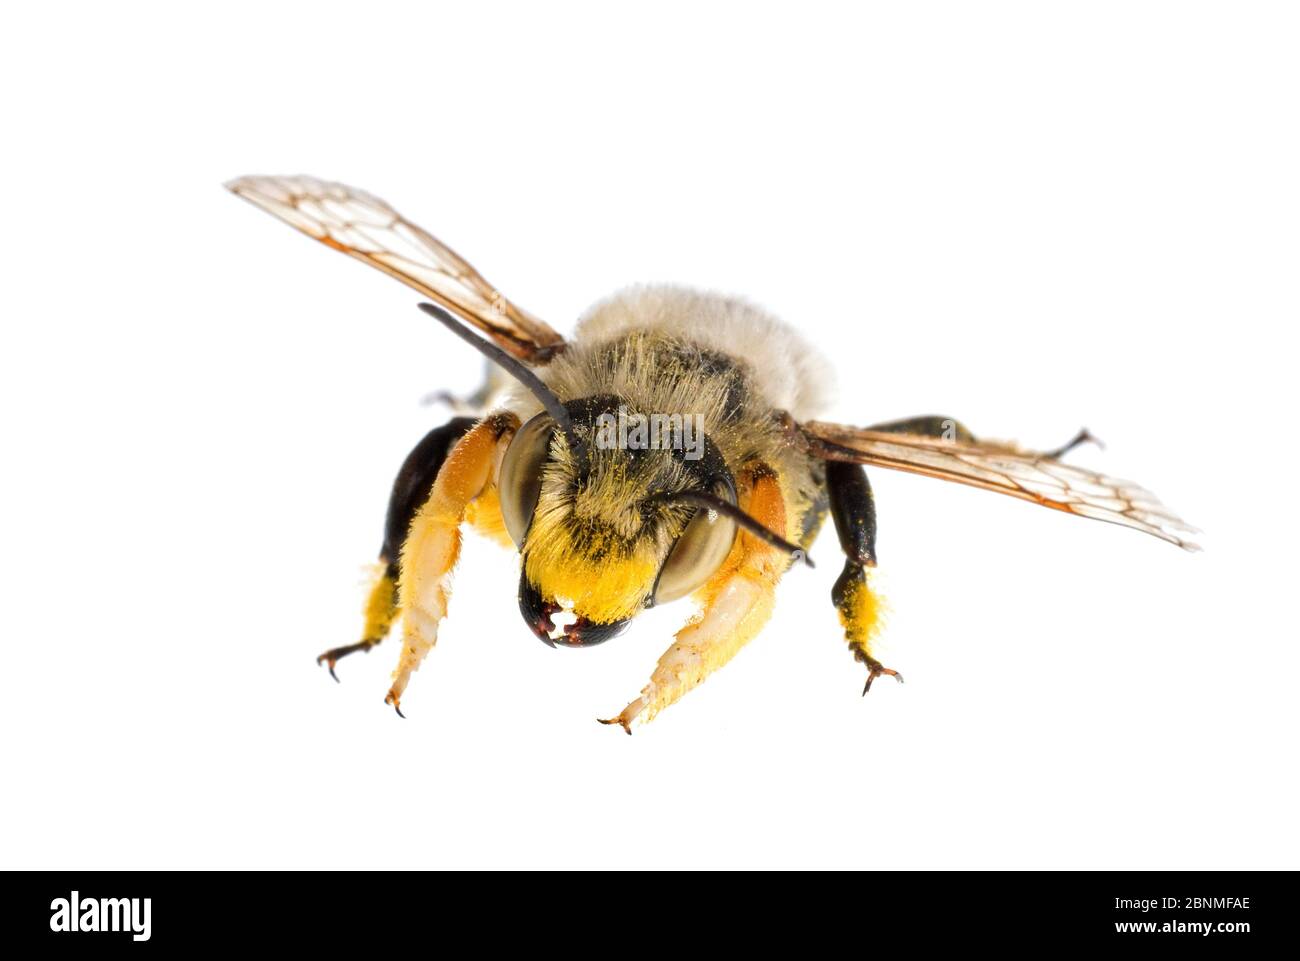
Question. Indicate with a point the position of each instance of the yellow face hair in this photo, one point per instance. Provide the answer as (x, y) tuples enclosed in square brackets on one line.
[(602, 590), (593, 544)]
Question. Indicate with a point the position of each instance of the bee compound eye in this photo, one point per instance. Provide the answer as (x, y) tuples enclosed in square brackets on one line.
[(520, 480), (699, 551)]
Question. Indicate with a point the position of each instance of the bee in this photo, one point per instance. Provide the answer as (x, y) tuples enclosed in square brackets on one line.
[(608, 523)]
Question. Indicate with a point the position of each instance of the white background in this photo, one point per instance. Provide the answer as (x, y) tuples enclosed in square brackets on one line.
[(1032, 216)]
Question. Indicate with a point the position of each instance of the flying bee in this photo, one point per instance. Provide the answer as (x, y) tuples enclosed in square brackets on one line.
[(609, 523)]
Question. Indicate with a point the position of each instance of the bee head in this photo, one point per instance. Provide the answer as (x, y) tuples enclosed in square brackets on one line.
[(609, 528), (600, 525)]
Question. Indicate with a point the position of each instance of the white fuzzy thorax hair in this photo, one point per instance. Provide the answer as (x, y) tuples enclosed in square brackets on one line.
[(783, 368), (787, 371)]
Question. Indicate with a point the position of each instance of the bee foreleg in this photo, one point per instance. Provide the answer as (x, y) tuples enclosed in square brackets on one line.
[(854, 512), (410, 489), (737, 601), (432, 544)]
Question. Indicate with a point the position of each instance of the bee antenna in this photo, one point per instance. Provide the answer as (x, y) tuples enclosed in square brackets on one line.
[(515, 369), (715, 503)]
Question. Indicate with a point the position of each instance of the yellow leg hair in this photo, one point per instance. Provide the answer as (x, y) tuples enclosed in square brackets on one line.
[(737, 601), (484, 515), (380, 610), (381, 606), (433, 543), (861, 613)]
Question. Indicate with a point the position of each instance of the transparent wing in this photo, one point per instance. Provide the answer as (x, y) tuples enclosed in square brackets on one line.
[(1004, 468), (368, 229)]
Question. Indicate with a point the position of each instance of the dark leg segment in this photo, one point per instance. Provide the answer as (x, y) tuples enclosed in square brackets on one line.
[(853, 510), (410, 490)]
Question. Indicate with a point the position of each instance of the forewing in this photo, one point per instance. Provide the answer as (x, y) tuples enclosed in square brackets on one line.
[(1003, 468), (365, 227)]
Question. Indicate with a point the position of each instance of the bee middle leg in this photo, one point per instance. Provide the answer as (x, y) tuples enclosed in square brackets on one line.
[(738, 601), (411, 488), (854, 512)]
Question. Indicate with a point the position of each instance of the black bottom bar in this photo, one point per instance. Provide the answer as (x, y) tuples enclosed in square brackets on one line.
[(378, 912)]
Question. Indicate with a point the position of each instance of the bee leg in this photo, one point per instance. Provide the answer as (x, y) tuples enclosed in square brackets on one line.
[(410, 488), (948, 428), (381, 608), (854, 512), (432, 544), (737, 600), (1084, 436), (476, 402), (927, 425)]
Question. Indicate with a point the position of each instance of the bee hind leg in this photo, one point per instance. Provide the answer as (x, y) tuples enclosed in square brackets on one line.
[(853, 510), (474, 403), (927, 425), (1084, 436), (949, 428), (738, 601)]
